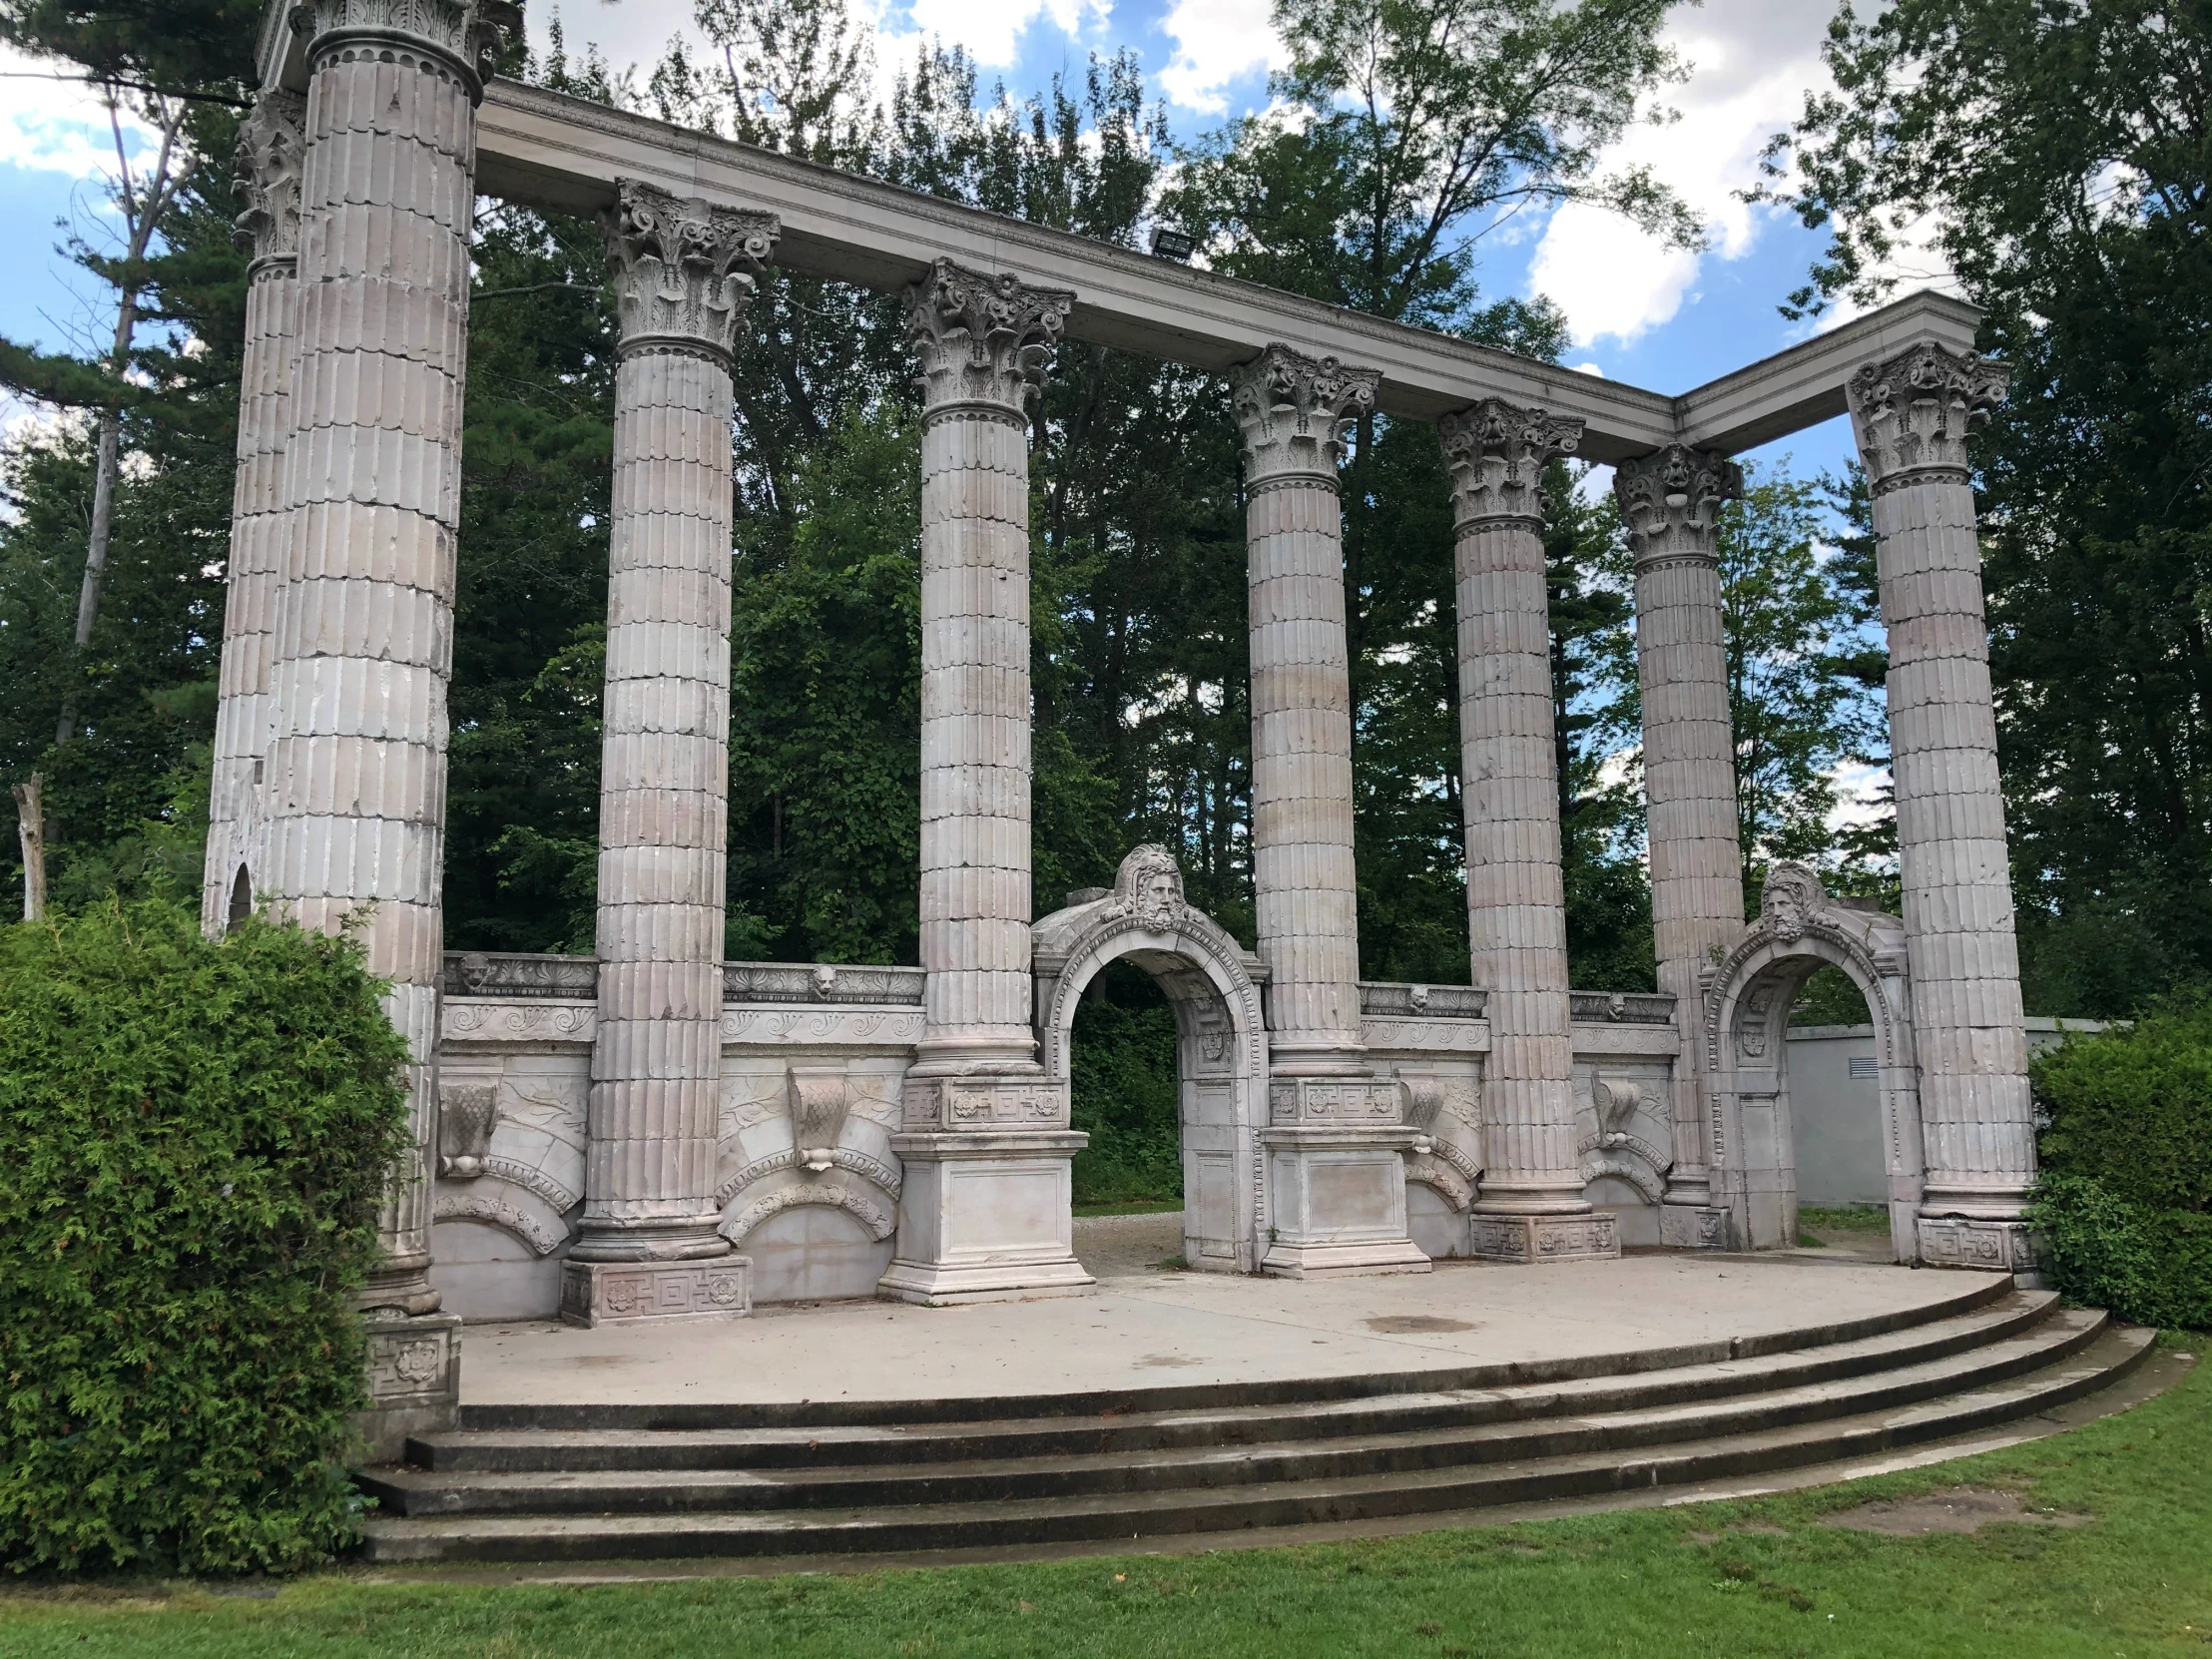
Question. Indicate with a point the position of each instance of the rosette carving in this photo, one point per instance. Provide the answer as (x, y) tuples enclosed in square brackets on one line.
[(1293, 411), (1913, 413), (271, 149), (1672, 498), (683, 271), (1496, 454), (983, 339)]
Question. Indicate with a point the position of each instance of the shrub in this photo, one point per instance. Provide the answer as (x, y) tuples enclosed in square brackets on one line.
[(194, 1136), (2125, 1202)]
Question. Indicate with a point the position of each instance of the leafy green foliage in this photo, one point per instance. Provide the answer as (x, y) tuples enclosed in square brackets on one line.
[(2058, 155), (1125, 1096), (2126, 1201), (195, 1136)]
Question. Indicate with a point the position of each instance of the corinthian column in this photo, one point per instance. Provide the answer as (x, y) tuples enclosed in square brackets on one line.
[(647, 1247), (1337, 1188), (985, 1210), (355, 782), (269, 161), (1671, 501), (1531, 1207), (1912, 414)]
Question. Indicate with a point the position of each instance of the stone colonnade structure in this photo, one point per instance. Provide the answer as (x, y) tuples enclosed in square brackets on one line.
[(379, 127)]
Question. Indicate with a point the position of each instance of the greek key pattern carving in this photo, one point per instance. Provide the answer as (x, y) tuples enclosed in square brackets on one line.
[(1355, 1100), (1957, 1242), (603, 1293), (407, 1359)]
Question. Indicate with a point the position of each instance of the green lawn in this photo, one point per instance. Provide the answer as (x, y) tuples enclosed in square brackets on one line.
[(1849, 1218), (1738, 1579)]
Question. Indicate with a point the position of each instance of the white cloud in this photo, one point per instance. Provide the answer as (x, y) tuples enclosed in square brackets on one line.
[(1215, 41), (1754, 61), (53, 124), (992, 30)]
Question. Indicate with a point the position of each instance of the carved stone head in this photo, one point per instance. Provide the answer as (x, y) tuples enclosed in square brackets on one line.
[(1793, 894), (1150, 884)]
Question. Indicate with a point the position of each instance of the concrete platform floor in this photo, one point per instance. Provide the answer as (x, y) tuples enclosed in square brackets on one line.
[(1144, 1327)]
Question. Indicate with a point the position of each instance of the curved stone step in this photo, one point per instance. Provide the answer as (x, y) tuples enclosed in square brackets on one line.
[(1039, 1520), (521, 1450)]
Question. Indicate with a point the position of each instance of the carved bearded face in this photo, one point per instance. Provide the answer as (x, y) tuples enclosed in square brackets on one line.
[(1157, 897)]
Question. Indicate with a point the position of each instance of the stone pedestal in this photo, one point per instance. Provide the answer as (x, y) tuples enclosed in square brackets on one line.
[(1671, 502), (1292, 411), (415, 1380), (1517, 895), (272, 144), (648, 1247), (984, 1210), (1912, 415), (362, 653)]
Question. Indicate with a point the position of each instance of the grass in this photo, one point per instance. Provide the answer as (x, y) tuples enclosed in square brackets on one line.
[(1136, 1207), (1750, 1580), (1850, 1218)]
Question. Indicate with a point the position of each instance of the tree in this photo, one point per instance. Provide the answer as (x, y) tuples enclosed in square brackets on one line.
[(2057, 156)]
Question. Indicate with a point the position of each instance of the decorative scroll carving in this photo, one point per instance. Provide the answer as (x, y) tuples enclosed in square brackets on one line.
[(468, 34), (1622, 1007), (502, 1021), (478, 1205), (1496, 454), (466, 1115), (683, 271), (1672, 498), (871, 1026), (889, 1177), (879, 1221), (984, 340), (271, 149), (1293, 411), (483, 973), (1913, 413), (530, 1179), (1420, 1002), (820, 983)]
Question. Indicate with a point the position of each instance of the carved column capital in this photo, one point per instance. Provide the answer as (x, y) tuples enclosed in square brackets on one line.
[(984, 340), (1913, 414), (468, 35), (1292, 411), (683, 271), (1496, 454), (1671, 500), (271, 149)]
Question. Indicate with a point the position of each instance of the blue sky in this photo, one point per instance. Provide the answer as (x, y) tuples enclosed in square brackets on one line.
[(1642, 314)]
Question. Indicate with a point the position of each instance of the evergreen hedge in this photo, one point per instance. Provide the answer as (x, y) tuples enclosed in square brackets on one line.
[(194, 1136), (2126, 1201)]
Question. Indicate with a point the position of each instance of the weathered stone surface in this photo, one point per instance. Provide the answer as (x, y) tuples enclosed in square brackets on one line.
[(1671, 500), (1912, 414), (1516, 902)]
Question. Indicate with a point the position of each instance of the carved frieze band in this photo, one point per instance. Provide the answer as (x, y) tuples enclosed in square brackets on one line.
[(983, 340), (1293, 411), (271, 149), (1496, 453), (1671, 500), (1913, 413), (681, 270), (1335, 1100), (467, 35)]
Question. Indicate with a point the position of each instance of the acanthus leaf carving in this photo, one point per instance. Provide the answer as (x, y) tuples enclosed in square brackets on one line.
[(1913, 413), (683, 271), (1293, 411), (1496, 453), (272, 149), (1671, 500), (983, 339)]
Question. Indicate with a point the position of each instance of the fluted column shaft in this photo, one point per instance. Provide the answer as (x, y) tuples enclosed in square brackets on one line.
[(982, 342), (649, 1175), (1671, 501), (355, 780), (269, 145), (1510, 790), (1912, 414), (1290, 410)]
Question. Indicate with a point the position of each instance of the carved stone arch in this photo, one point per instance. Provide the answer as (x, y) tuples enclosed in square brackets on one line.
[(512, 1208), (875, 1213), (1212, 984), (1745, 1020)]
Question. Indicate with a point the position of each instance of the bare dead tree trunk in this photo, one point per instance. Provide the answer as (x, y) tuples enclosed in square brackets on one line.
[(30, 827), (142, 212)]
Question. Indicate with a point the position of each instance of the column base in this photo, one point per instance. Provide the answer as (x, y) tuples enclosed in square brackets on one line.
[(1695, 1226), (1337, 1201), (632, 1293), (984, 1217), (1525, 1240), (1976, 1242), (415, 1380)]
